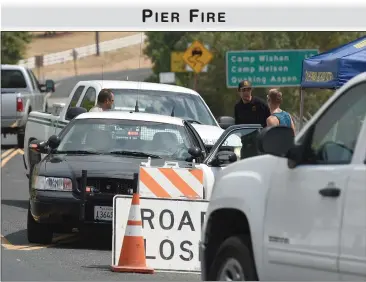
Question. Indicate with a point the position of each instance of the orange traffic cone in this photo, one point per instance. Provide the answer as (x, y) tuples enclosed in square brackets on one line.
[(132, 257)]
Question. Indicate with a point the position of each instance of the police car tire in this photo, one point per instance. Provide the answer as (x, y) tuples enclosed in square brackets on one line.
[(38, 233), (20, 140), (237, 248)]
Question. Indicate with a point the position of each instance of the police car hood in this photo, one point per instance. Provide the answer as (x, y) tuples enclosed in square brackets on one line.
[(208, 133)]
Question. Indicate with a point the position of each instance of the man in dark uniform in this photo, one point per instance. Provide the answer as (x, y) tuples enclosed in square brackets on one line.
[(250, 110)]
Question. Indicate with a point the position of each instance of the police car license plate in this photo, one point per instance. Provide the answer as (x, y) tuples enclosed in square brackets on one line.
[(103, 213)]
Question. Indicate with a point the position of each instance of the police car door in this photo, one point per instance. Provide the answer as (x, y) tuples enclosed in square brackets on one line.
[(236, 142)]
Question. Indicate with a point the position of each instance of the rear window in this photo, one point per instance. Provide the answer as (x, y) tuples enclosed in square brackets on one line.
[(12, 79), (181, 105)]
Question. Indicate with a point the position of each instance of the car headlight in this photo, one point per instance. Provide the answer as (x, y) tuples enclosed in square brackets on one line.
[(53, 183)]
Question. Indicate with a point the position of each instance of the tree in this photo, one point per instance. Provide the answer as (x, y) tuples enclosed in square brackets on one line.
[(159, 45), (13, 46)]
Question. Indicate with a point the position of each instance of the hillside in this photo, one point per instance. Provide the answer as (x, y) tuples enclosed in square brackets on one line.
[(122, 59)]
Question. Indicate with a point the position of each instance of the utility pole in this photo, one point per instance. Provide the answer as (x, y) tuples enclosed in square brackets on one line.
[(97, 42)]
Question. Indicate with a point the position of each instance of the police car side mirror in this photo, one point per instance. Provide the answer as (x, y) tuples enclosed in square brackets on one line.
[(195, 152), (276, 141), (53, 141), (224, 157), (225, 121)]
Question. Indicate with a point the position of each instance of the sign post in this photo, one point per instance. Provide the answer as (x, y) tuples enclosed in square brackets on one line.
[(39, 65), (197, 56), (266, 68), (75, 57)]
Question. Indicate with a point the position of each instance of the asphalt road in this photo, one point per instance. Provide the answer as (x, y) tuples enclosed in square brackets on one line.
[(70, 257)]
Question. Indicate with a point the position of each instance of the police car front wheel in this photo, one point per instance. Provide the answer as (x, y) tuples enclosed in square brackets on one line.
[(38, 233)]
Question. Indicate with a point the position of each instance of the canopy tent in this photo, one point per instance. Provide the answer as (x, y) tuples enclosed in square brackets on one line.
[(332, 69)]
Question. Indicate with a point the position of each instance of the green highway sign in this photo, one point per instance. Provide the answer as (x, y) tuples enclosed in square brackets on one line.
[(266, 68)]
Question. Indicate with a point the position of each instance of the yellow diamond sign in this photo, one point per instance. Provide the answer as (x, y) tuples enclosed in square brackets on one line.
[(197, 56)]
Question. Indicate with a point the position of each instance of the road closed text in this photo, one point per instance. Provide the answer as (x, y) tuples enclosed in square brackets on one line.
[(176, 234), (194, 16)]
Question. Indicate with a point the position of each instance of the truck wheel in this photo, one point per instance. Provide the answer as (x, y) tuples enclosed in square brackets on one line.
[(38, 233), (20, 140), (233, 261)]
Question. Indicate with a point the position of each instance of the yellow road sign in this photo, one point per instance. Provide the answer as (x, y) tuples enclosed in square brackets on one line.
[(177, 64), (197, 56)]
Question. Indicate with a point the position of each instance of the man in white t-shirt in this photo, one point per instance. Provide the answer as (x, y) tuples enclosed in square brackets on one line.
[(105, 101)]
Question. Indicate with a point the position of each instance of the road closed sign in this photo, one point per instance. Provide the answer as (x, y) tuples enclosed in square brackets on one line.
[(171, 230)]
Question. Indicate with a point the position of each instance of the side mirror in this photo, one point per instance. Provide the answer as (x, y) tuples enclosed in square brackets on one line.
[(74, 112), (224, 157), (276, 140), (195, 152), (38, 146), (53, 141), (225, 121), (50, 85)]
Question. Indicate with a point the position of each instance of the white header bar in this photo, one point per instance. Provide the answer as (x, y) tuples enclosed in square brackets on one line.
[(203, 15), (186, 3)]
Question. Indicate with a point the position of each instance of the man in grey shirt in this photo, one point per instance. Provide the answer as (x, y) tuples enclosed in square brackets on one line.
[(105, 101)]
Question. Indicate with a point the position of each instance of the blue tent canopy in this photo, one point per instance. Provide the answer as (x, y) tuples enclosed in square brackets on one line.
[(333, 68)]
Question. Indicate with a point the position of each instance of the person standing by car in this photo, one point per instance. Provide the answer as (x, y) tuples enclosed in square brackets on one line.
[(250, 109), (278, 116), (105, 101)]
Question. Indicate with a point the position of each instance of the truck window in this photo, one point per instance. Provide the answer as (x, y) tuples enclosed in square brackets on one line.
[(336, 132), (185, 105), (76, 96), (88, 101), (12, 79), (34, 80)]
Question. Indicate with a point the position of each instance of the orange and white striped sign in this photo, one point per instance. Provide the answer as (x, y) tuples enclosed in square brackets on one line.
[(162, 182)]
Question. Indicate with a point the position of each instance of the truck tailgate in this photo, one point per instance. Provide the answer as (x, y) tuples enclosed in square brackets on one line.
[(8, 108)]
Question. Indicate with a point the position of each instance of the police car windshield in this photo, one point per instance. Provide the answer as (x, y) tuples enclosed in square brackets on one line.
[(185, 106), (127, 138)]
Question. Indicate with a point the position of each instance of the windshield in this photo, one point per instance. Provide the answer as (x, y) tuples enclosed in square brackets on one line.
[(12, 79), (126, 137), (185, 106)]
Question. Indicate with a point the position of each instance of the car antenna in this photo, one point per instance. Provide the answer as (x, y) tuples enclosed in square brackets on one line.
[(172, 114), (102, 74)]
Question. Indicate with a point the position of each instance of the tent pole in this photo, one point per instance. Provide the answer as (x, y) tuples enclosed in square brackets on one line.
[(301, 107)]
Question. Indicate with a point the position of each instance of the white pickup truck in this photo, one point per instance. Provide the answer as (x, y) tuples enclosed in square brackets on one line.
[(21, 93), (128, 95), (298, 212)]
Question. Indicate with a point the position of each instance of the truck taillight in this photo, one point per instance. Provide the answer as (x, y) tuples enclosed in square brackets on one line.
[(20, 107)]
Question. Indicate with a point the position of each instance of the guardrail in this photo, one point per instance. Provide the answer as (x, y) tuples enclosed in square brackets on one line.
[(85, 51)]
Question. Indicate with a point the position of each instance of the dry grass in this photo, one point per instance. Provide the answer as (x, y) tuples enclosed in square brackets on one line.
[(65, 41), (122, 59)]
